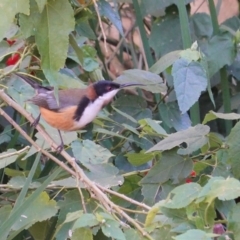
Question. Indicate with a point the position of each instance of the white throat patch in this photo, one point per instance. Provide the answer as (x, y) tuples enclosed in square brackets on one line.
[(95, 107)]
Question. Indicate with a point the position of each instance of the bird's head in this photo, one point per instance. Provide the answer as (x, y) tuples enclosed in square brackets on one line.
[(107, 89)]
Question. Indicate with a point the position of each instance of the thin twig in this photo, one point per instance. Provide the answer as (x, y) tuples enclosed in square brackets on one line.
[(142, 205), (15, 153), (101, 25)]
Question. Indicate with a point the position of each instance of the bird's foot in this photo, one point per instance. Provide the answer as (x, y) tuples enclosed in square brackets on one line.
[(59, 148)]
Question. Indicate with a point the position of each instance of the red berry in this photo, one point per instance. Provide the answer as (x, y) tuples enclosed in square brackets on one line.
[(188, 180), (193, 173), (13, 59), (11, 42)]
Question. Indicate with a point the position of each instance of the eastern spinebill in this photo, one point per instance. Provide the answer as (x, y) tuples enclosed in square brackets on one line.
[(75, 108)]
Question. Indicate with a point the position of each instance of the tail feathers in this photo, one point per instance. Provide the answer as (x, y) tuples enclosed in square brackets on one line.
[(32, 83)]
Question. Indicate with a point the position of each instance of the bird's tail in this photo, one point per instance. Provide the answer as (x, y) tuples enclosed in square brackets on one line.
[(32, 83)]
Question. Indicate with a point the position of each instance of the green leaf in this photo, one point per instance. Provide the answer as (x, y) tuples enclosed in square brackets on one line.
[(214, 115), (132, 234), (178, 120), (220, 51), (202, 25), (105, 9), (111, 229), (196, 235), (70, 203), (156, 7), (64, 81), (151, 126), (4, 228), (106, 174), (195, 137), (76, 48), (8, 157), (20, 91), (110, 133), (52, 37), (6, 135), (189, 80), (138, 159), (151, 81), (29, 24), (5, 211), (234, 221), (169, 41), (125, 115), (183, 195), (40, 230), (41, 4), (223, 189), (151, 192), (164, 231), (85, 220), (44, 207), (165, 61), (201, 214), (190, 54), (85, 234), (233, 142), (88, 152), (83, 28), (170, 166), (8, 10)]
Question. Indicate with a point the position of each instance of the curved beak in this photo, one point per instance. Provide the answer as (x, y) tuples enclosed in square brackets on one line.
[(130, 84)]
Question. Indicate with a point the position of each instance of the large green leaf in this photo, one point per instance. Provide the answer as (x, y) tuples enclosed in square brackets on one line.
[(161, 39), (88, 152), (220, 51), (105, 174), (51, 29), (195, 137), (178, 120), (202, 25), (183, 195), (44, 207), (189, 80), (218, 187), (170, 166)]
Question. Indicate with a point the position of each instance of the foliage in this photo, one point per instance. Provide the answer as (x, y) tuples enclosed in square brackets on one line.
[(145, 168)]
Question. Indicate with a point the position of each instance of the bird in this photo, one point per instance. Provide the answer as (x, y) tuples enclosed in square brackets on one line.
[(75, 108)]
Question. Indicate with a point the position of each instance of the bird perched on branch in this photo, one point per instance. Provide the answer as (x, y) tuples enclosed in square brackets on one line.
[(75, 108)]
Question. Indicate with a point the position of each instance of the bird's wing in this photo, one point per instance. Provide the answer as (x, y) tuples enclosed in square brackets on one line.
[(67, 98)]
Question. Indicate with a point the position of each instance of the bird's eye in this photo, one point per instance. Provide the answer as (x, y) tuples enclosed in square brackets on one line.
[(109, 88)]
